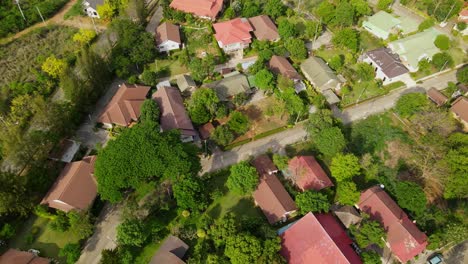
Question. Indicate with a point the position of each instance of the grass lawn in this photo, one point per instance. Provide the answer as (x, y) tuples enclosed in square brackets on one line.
[(363, 91), (327, 54), (167, 67), (147, 253), (47, 241), (458, 56), (199, 40)]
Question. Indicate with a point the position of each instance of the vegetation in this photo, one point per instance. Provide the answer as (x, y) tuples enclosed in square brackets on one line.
[(344, 167), (347, 193), (238, 122), (411, 103), (369, 233), (280, 161), (442, 42), (243, 179), (312, 201), (203, 105), (72, 252)]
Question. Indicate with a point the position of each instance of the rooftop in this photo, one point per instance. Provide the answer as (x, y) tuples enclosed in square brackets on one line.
[(230, 86), (201, 8), (281, 65), (389, 62), (318, 72), (167, 31), (460, 108), (436, 96), (171, 251), (13, 256), (264, 28), (308, 174), (233, 31), (264, 165)]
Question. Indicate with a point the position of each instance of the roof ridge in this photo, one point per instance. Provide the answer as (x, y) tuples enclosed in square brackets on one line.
[(271, 189), (328, 235), (80, 164), (171, 104)]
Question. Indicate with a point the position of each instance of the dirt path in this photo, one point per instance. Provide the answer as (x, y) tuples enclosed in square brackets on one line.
[(78, 22)]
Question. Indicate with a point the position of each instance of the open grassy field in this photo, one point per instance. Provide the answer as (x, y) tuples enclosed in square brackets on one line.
[(167, 67), (199, 40), (46, 240), (363, 91)]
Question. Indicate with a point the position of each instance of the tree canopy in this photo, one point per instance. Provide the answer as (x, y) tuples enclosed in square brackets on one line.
[(190, 193), (222, 135), (296, 48), (442, 42), (238, 122), (142, 154), (264, 79), (243, 178), (369, 232), (149, 111), (347, 193), (13, 195), (462, 74), (203, 105), (365, 71), (274, 8), (131, 232), (347, 38), (411, 196), (345, 167), (442, 61), (312, 201), (243, 248), (408, 104)]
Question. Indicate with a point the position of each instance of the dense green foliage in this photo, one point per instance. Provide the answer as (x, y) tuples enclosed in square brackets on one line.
[(344, 167), (370, 257), (131, 232), (13, 195), (365, 71), (346, 38), (11, 20), (189, 193), (280, 161), (411, 103), (462, 74), (347, 193), (141, 154), (243, 178), (149, 111), (312, 201), (457, 159), (274, 8), (202, 105), (222, 135), (200, 69), (368, 233), (296, 48), (384, 4), (442, 42), (325, 133), (264, 79), (71, 252), (411, 196), (442, 61), (238, 122), (286, 29), (243, 248)]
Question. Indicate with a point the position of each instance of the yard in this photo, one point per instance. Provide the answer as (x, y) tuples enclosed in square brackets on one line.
[(46, 240), (365, 90), (167, 67), (199, 41), (369, 42)]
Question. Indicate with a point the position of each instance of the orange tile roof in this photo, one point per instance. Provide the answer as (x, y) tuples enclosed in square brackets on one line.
[(167, 31), (202, 8), (125, 105), (75, 188), (308, 174), (233, 31), (460, 108), (437, 97), (13, 256), (264, 28)]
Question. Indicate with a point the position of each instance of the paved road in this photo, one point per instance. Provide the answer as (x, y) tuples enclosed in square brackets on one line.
[(154, 21)]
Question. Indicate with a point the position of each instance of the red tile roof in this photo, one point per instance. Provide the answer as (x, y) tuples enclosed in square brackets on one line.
[(460, 108), (206, 130), (308, 174), (167, 31), (317, 239), (264, 28), (13, 256), (75, 188), (173, 114), (202, 8), (405, 239), (233, 31), (125, 105), (437, 97), (264, 165), (281, 65)]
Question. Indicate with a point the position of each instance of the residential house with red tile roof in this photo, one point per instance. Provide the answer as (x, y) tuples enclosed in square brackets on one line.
[(317, 238), (124, 108), (173, 114), (264, 29), (404, 238), (270, 195), (234, 34), (167, 37), (13, 256), (307, 174), (171, 251), (463, 15), (208, 9), (460, 110), (75, 188), (281, 65), (437, 97)]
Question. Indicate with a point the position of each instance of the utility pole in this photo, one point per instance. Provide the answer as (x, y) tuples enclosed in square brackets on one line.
[(39, 11), (94, 24), (21, 11), (449, 12)]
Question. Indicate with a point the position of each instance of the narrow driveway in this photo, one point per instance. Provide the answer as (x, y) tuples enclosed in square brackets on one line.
[(154, 21)]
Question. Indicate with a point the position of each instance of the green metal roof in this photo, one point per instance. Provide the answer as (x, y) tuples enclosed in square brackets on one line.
[(408, 25), (381, 23)]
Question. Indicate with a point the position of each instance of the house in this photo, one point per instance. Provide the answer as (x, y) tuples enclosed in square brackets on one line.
[(348, 215), (91, 7), (231, 85), (168, 37), (208, 9), (317, 238), (186, 83), (270, 195), (281, 65), (462, 89), (437, 97), (65, 151), (124, 108), (264, 29), (264, 165), (171, 251), (13, 256), (307, 174), (75, 188), (382, 24), (387, 65), (463, 15), (173, 114), (404, 238), (206, 130), (460, 110), (416, 47), (320, 76), (234, 34)]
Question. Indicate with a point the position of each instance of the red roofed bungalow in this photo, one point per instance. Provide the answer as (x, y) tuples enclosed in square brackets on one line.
[(233, 34), (403, 237), (307, 174), (202, 8), (317, 239)]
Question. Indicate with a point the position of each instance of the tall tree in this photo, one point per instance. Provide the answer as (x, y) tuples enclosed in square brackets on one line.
[(243, 248), (346, 38), (189, 193), (347, 193), (274, 8), (149, 111), (203, 105), (411, 196), (238, 122), (243, 178), (369, 232), (344, 167), (312, 201), (14, 198)]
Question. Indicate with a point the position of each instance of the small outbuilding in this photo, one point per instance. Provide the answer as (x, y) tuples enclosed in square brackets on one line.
[(347, 214), (437, 97), (171, 251), (168, 37), (186, 83)]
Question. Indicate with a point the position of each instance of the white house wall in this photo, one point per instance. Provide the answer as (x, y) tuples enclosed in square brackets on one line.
[(168, 46)]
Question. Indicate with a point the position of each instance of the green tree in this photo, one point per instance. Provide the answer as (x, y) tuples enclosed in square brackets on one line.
[(201, 68), (370, 232), (384, 4), (243, 248), (149, 111), (286, 29), (347, 193), (361, 7), (462, 74), (409, 104), (344, 14), (294, 104), (238, 122), (106, 11), (222, 135), (344, 167), (428, 23), (312, 29), (326, 11), (442, 42), (280, 161), (132, 232), (250, 9), (203, 105), (81, 224), (189, 193), (110, 256), (330, 141), (223, 228), (243, 178), (274, 8), (296, 48), (457, 160), (365, 71), (264, 79), (7, 231), (336, 62), (370, 257), (346, 38), (14, 199), (149, 77), (444, 9), (53, 66), (411, 196), (312, 201), (71, 252), (142, 154), (84, 36), (442, 61)]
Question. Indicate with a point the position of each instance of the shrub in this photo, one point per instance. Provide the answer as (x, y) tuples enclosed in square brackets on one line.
[(442, 42), (411, 103), (71, 251), (243, 179), (426, 24), (442, 61), (238, 122)]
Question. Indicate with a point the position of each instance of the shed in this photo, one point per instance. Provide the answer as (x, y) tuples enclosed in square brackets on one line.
[(348, 215), (436, 96), (186, 83)]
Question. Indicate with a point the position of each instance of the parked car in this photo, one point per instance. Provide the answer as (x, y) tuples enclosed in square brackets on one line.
[(435, 259)]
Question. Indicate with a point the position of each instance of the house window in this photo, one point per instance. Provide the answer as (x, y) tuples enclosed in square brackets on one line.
[(384, 78), (95, 13)]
